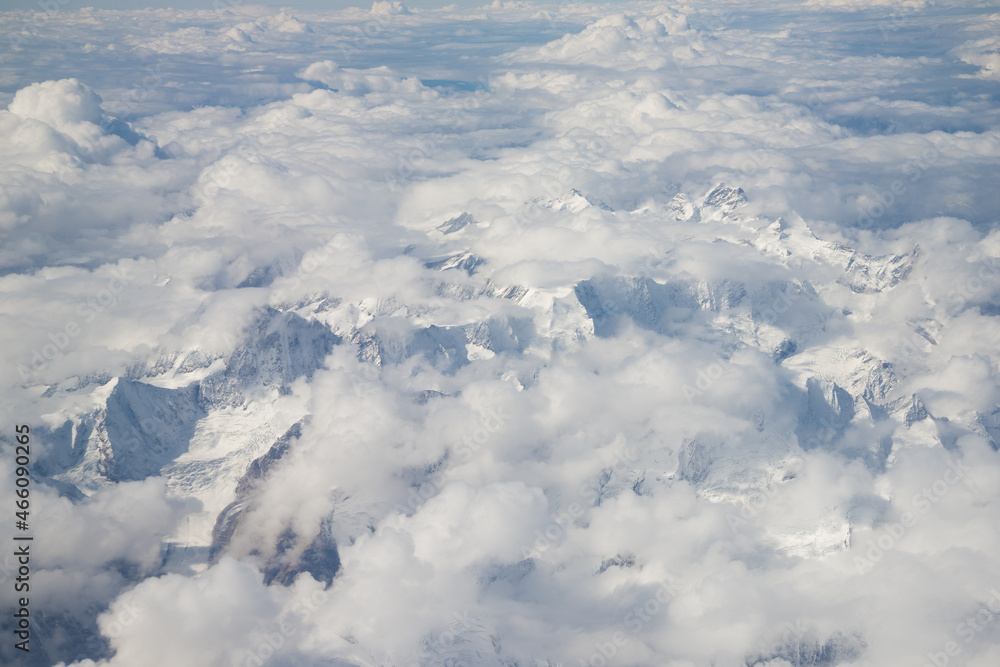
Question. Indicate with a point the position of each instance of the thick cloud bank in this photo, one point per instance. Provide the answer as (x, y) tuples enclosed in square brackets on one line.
[(512, 336)]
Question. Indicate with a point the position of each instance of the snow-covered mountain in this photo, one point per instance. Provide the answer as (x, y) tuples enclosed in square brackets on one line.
[(219, 427), (510, 336)]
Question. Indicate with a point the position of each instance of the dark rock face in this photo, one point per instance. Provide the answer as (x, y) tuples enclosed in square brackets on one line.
[(989, 424), (263, 276), (869, 274), (456, 224), (146, 427), (618, 560), (280, 348), (837, 649), (319, 558), (59, 637), (917, 412), (665, 307), (463, 261), (259, 467), (829, 412), (141, 428), (57, 449), (229, 519), (785, 349), (390, 341), (726, 198)]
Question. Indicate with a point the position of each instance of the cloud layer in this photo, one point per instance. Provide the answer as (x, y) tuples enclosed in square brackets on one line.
[(518, 335)]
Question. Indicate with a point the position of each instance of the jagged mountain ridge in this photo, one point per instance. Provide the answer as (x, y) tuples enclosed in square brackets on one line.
[(282, 346), (142, 427), (319, 558), (841, 402)]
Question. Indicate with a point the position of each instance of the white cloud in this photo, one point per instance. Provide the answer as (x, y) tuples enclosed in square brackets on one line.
[(668, 340), (61, 104)]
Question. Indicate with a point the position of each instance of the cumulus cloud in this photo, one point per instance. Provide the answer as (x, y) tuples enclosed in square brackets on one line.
[(653, 336), (61, 104)]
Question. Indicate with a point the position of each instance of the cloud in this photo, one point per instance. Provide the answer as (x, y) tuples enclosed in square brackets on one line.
[(502, 336), (618, 41), (364, 82), (61, 104), (982, 52), (208, 620)]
